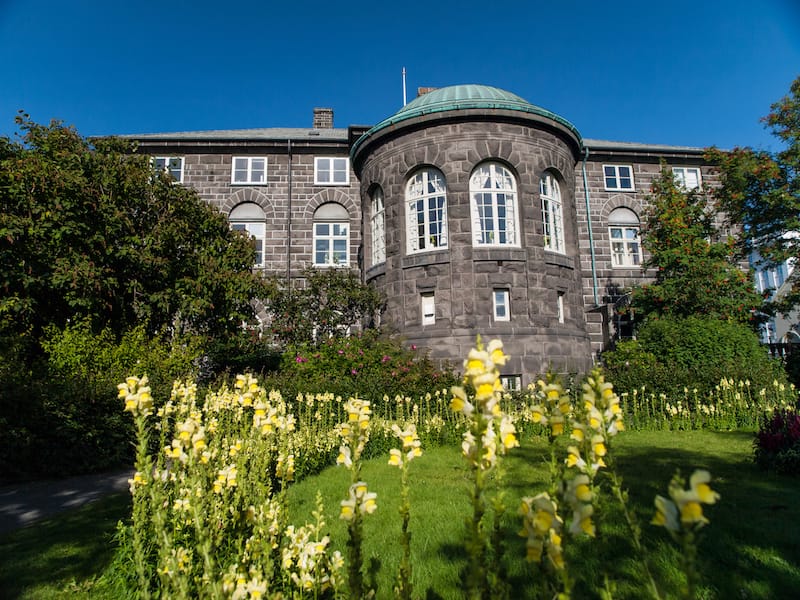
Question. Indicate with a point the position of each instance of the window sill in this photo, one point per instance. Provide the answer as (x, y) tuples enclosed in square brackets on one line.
[(430, 257), (504, 253), (556, 258)]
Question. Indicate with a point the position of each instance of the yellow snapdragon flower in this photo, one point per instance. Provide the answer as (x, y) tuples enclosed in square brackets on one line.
[(684, 509)]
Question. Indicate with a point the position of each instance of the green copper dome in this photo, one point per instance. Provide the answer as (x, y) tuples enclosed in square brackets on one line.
[(461, 97), (464, 96)]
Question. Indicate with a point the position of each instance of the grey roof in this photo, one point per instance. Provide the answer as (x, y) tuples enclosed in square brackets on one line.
[(265, 134), (638, 147)]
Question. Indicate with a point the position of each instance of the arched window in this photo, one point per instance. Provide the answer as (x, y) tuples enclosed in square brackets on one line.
[(493, 194), (250, 218), (426, 211), (623, 230), (377, 226), (331, 236), (552, 213)]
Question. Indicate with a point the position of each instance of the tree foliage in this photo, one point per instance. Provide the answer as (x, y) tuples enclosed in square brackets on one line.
[(328, 304), (695, 273), (673, 353), (87, 230), (760, 190)]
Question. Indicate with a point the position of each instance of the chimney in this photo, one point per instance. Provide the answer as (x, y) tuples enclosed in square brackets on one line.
[(323, 118), (424, 90)]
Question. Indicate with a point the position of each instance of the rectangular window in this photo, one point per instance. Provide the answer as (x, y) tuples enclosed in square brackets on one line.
[(511, 383), (331, 171), (257, 232), (330, 244), (618, 177), (625, 248), (560, 307), (687, 178), (249, 170), (378, 228), (428, 309), (172, 165), (502, 307)]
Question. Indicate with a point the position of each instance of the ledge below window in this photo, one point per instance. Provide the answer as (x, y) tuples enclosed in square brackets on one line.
[(423, 259), (562, 260), (499, 253)]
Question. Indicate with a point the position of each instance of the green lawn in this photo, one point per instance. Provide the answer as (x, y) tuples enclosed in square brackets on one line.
[(63, 556), (750, 549)]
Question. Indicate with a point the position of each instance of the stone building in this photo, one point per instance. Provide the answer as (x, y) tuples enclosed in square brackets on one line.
[(475, 212)]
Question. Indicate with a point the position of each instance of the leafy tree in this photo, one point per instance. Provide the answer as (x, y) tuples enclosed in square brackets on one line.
[(327, 305), (760, 190), (87, 230), (696, 275), (673, 353)]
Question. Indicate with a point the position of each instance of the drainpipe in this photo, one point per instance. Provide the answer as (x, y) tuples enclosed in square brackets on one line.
[(589, 223), (289, 217)]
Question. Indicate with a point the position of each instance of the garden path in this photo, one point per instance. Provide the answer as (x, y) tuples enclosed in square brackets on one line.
[(24, 503)]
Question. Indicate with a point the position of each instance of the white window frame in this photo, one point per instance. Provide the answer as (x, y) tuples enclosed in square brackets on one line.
[(501, 303), (493, 204), (427, 305), (250, 172), (326, 175), (560, 307), (681, 178), (511, 383), (378, 226), (426, 211), (626, 249), (552, 214), (616, 176), (167, 166), (251, 220), (337, 231), (258, 233)]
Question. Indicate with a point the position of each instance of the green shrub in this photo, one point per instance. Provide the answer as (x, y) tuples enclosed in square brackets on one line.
[(777, 443), (369, 365), (59, 410), (671, 354)]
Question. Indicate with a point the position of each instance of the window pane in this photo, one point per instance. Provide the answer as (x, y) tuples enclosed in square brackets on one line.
[(322, 228)]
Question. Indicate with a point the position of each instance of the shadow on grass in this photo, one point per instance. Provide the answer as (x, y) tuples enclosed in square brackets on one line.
[(749, 550), (43, 558)]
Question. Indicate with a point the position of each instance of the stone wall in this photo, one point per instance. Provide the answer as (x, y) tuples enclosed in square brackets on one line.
[(462, 277)]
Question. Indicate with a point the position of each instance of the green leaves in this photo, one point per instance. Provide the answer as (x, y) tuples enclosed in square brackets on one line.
[(86, 230), (760, 191), (696, 273)]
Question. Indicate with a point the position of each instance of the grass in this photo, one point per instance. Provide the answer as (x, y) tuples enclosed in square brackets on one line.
[(748, 551), (63, 556)]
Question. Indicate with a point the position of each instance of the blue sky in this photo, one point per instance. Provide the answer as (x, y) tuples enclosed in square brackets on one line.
[(693, 73)]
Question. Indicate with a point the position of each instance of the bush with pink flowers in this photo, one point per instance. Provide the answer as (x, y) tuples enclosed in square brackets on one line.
[(777, 443)]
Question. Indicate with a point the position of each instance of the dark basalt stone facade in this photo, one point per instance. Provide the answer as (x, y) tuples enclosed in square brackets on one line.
[(308, 198), (463, 276)]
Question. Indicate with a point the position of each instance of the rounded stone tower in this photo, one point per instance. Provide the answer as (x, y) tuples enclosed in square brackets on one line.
[(469, 221)]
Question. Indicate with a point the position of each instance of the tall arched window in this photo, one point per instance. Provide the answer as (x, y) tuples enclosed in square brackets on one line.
[(426, 211), (493, 194), (331, 236), (377, 226), (250, 218), (623, 229), (552, 213)]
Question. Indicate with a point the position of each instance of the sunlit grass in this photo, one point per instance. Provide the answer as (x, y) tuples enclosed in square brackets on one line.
[(749, 550)]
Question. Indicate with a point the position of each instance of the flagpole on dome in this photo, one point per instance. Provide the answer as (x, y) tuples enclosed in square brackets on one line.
[(404, 86)]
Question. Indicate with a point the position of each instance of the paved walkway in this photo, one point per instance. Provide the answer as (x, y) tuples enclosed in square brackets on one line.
[(24, 503)]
